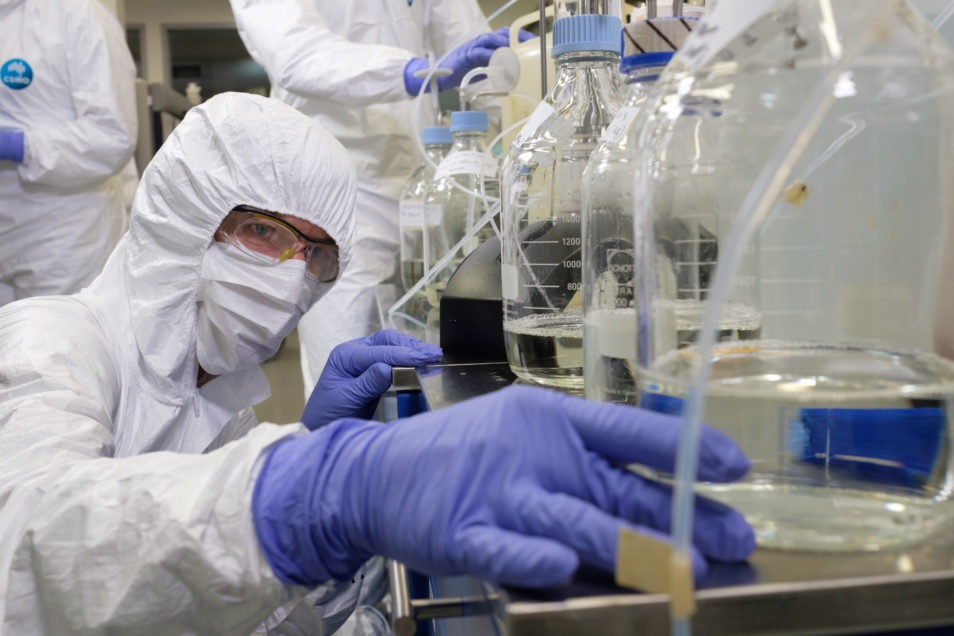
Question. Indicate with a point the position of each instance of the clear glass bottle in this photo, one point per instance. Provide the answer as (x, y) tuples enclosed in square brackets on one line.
[(414, 220), (463, 189), (541, 241), (609, 309), (831, 300)]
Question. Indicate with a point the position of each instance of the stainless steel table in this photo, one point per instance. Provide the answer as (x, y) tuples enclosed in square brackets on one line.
[(775, 593)]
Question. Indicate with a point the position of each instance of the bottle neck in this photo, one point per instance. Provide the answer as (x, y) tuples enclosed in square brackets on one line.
[(639, 81), (643, 75), (569, 62), (588, 88), (469, 140), (583, 74), (436, 152)]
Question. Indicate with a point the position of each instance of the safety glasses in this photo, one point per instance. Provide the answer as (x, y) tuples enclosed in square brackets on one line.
[(272, 240)]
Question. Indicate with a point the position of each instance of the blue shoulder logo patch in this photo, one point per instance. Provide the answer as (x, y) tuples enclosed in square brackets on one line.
[(16, 74)]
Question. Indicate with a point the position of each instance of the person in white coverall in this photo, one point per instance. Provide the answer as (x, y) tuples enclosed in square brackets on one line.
[(349, 66), (67, 128), (137, 494)]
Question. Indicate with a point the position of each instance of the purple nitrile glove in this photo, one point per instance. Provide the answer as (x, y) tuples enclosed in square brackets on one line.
[(358, 372), (11, 145), (460, 61), (515, 487)]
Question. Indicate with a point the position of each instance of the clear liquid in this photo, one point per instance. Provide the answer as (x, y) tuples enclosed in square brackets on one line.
[(850, 447), (681, 328), (546, 349)]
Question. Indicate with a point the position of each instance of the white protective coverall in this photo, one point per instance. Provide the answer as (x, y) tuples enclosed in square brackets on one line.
[(112, 519), (61, 210), (342, 63)]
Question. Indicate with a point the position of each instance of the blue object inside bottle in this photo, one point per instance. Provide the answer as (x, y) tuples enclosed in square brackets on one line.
[(896, 447)]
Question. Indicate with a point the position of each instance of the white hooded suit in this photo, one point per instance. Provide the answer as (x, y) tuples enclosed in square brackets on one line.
[(342, 64), (68, 83), (102, 529)]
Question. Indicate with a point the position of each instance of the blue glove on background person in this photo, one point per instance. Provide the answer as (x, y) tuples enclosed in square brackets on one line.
[(358, 372), (11, 145), (460, 61), (514, 487)]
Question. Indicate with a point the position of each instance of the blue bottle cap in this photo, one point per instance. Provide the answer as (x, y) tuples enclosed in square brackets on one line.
[(462, 120), (437, 135), (591, 32), (644, 60)]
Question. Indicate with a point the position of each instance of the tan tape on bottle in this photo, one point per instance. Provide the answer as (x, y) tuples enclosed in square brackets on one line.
[(644, 563)]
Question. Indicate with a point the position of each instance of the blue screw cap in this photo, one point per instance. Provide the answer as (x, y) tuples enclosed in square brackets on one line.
[(462, 120), (437, 135), (644, 60), (590, 32)]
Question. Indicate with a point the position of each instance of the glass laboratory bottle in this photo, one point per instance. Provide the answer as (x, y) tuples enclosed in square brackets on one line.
[(463, 189), (414, 220), (541, 241), (609, 309), (805, 147)]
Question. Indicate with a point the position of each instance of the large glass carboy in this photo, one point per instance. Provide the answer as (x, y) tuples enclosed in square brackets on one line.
[(541, 241), (829, 285), (609, 313), (415, 221)]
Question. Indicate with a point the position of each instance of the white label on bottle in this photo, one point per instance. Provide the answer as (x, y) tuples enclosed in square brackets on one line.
[(664, 326), (722, 24), (508, 282), (617, 334), (534, 121), (434, 213), (411, 213), (467, 162), (417, 213), (617, 129)]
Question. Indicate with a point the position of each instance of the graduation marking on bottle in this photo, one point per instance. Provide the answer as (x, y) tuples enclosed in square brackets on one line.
[(16, 74)]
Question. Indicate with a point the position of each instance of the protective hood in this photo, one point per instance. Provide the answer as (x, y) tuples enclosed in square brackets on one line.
[(234, 149)]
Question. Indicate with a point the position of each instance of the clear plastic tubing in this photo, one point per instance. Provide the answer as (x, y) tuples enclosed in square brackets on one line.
[(477, 30), (943, 16), (756, 205)]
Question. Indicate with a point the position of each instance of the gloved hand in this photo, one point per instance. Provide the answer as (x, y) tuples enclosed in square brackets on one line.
[(358, 372), (514, 487), (460, 61), (11, 145)]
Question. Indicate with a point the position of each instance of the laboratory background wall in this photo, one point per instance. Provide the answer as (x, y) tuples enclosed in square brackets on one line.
[(154, 20)]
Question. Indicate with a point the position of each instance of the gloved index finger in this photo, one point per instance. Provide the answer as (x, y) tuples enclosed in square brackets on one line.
[(397, 356), (628, 434), (396, 338)]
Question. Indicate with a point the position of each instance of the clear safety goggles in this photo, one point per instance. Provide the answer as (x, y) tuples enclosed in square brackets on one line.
[(271, 240)]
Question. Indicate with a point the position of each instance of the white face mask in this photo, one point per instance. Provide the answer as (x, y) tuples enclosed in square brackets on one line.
[(246, 308)]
